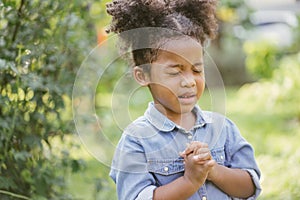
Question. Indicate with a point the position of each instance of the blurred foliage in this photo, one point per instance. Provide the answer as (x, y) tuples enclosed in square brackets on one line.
[(278, 94), (267, 110), (232, 11), (274, 136), (226, 50), (277, 69), (42, 44), (261, 58), (295, 47), (273, 110)]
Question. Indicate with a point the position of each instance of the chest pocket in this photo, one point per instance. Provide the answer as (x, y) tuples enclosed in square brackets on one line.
[(166, 170), (218, 155)]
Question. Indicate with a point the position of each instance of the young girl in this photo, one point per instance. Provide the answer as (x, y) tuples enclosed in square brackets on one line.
[(152, 159)]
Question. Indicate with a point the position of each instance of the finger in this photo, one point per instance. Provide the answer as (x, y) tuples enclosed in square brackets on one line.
[(194, 146), (199, 147), (202, 157), (202, 150), (182, 154), (189, 149)]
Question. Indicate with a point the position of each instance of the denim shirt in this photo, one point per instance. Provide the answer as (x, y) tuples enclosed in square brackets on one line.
[(147, 155)]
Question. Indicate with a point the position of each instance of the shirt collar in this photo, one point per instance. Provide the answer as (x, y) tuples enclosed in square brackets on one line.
[(162, 123)]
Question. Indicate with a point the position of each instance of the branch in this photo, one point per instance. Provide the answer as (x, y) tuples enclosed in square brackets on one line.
[(19, 21), (14, 195)]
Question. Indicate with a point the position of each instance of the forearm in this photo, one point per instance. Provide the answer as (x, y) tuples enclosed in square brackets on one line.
[(181, 188), (234, 182)]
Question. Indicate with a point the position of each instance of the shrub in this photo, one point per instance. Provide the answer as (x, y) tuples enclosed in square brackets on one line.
[(42, 44)]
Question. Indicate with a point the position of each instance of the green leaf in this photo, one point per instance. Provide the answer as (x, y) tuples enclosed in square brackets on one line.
[(6, 183), (22, 156)]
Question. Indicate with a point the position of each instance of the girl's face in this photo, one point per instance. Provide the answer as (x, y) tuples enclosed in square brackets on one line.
[(176, 79)]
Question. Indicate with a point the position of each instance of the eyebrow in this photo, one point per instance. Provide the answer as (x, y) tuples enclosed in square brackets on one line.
[(198, 64), (181, 66), (175, 65)]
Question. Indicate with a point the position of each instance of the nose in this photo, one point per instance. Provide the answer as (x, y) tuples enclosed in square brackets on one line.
[(188, 80)]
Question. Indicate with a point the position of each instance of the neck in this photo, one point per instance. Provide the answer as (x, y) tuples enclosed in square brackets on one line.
[(184, 120)]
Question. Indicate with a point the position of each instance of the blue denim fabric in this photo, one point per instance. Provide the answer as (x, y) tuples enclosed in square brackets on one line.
[(147, 155)]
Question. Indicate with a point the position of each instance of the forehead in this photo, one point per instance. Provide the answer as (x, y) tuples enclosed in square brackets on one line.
[(181, 49)]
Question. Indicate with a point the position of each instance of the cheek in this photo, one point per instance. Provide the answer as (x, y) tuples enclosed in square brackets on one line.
[(200, 79), (164, 83), (200, 84), (162, 90)]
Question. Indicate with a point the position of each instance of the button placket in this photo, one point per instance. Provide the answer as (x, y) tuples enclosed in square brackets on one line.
[(202, 192), (189, 134)]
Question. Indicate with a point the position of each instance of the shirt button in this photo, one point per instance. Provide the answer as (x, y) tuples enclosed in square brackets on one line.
[(190, 137), (222, 157), (204, 198), (166, 169)]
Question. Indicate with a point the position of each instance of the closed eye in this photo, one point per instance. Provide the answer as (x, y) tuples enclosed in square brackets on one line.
[(198, 68), (174, 69), (174, 73), (197, 71)]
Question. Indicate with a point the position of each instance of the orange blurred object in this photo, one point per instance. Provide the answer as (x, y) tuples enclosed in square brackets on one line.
[(101, 35)]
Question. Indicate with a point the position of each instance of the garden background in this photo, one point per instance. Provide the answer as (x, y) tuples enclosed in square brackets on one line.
[(42, 46)]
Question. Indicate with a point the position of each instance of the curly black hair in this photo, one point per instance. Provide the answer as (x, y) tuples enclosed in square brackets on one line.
[(194, 18)]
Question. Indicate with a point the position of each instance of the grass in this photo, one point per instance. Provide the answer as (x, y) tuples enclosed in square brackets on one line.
[(274, 137)]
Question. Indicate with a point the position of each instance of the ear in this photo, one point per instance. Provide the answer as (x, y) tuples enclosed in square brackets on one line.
[(140, 76)]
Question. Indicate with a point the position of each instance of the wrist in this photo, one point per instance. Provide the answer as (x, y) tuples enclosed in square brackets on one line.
[(190, 183), (196, 178), (213, 175)]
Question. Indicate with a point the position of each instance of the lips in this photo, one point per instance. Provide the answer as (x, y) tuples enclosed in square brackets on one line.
[(187, 95), (187, 98)]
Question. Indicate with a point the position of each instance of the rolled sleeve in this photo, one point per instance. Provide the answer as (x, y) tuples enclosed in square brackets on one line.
[(241, 155), (132, 186), (255, 179), (147, 193)]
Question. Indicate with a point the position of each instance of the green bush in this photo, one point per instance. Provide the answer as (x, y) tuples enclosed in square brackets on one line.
[(42, 44), (261, 60)]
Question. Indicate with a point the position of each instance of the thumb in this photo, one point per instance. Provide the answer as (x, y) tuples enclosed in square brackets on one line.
[(211, 163)]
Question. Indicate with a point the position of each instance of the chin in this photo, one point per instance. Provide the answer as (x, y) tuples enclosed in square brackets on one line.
[(186, 109)]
